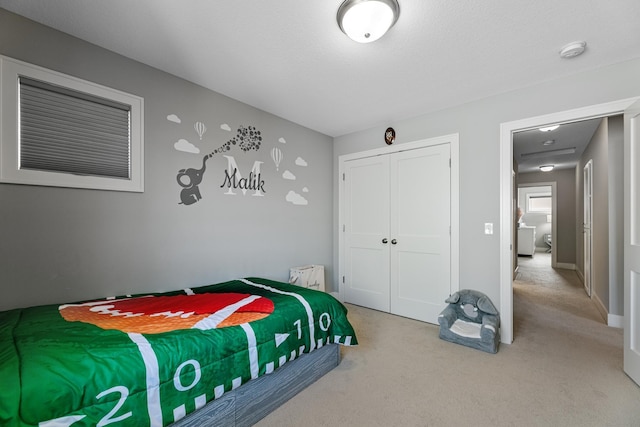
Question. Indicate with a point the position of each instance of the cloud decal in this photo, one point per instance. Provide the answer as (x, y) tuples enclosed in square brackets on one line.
[(296, 199), (288, 175), (226, 127), (305, 190), (173, 118), (186, 146), (282, 141), (301, 162)]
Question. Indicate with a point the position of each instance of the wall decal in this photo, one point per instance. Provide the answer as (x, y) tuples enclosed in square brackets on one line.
[(305, 190), (288, 175), (247, 138), (282, 140), (295, 198), (234, 180), (301, 162), (226, 127), (200, 129), (174, 118), (276, 155), (186, 146)]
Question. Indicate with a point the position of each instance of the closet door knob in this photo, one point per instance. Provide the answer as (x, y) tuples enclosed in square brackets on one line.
[(394, 241), (385, 240)]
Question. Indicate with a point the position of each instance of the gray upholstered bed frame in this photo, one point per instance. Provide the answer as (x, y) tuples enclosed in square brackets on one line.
[(256, 399)]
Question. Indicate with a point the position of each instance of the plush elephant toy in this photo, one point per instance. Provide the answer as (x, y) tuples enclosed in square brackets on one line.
[(471, 319)]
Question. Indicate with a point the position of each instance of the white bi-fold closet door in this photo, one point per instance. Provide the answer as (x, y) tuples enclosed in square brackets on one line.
[(397, 242)]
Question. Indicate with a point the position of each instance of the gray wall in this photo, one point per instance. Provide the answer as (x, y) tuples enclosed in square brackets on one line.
[(478, 124), (616, 215), (565, 180), (59, 244)]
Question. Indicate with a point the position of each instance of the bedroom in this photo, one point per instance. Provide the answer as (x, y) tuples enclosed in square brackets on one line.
[(61, 244)]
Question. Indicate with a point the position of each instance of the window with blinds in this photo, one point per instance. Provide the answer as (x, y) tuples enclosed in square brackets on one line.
[(63, 130), (58, 130)]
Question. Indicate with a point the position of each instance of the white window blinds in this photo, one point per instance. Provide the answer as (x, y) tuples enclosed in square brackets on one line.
[(63, 130)]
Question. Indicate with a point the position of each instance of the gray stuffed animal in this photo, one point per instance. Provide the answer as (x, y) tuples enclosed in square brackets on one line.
[(472, 320)]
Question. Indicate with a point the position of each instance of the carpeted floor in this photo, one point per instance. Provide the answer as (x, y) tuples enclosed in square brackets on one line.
[(563, 369)]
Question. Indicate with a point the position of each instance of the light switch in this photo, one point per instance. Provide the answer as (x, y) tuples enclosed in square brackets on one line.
[(488, 228)]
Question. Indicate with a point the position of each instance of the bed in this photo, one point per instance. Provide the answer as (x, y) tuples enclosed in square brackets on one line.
[(223, 354)]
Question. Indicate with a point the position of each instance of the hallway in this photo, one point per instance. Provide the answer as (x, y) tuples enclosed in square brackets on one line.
[(558, 291)]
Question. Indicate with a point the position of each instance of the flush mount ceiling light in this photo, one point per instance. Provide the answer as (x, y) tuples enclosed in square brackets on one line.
[(573, 49), (546, 168), (549, 128), (366, 21)]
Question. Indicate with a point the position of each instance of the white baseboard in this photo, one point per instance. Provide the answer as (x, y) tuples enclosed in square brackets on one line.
[(566, 266), (580, 275), (615, 321)]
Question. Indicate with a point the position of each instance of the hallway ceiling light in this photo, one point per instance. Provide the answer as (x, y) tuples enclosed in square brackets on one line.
[(549, 128), (366, 21), (546, 168), (549, 142)]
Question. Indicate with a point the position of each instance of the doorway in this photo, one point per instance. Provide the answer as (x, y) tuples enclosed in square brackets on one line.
[(506, 192), (536, 232)]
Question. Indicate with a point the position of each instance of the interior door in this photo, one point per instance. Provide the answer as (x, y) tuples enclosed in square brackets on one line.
[(632, 242), (366, 203), (587, 223), (420, 215)]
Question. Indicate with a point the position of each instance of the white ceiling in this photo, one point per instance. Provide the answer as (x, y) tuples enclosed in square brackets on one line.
[(289, 58)]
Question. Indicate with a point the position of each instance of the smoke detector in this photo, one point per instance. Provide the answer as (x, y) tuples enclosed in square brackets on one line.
[(573, 49)]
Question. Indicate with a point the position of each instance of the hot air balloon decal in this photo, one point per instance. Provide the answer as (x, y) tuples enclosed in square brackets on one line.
[(276, 155), (200, 129)]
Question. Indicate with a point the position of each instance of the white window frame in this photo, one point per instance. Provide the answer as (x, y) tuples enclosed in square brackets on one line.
[(10, 171), (530, 196)]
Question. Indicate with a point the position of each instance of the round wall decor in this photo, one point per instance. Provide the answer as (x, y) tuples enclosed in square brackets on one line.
[(389, 136)]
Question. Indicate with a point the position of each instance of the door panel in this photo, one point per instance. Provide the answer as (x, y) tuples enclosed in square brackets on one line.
[(632, 242), (366, 226), (420, 219)]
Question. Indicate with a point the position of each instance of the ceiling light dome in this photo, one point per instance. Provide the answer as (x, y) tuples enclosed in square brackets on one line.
[(366, 21), (547, 168)]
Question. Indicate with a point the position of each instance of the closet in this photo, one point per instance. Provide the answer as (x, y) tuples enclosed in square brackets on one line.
[(396, 224)]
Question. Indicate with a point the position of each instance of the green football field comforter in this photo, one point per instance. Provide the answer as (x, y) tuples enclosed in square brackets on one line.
[(150, 360)]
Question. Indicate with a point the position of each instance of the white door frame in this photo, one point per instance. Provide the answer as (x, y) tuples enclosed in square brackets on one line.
[(587, 238), (453, 140), (506, 191)]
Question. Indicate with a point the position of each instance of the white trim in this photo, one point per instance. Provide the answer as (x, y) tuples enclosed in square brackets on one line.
[(566, 265), (615, 321), (454, 141), (10, 172), (506, 192)]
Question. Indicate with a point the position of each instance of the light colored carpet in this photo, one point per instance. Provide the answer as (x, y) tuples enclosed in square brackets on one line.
[(563, 369)]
